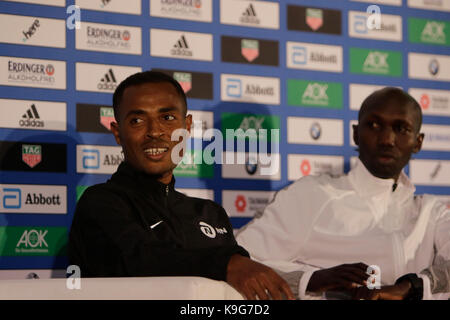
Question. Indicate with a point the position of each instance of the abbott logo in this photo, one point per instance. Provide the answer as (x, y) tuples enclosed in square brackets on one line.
[(299, 55), (12, 198), (360, 24), (91, 159), (234, 88)]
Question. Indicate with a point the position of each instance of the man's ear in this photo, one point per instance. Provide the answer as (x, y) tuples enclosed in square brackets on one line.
[(188, 122), (355, 134), (419, 141), (115, 131)]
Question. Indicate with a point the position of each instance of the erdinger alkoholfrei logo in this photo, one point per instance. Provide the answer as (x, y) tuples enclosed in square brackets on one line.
[(251, 165), (31, 154), (106, 117), (240, 203), (433, 67), (108, 82), (181, 48), (314, 18), (184, 79), (250, 49), (305, 167), (31, 118), (315, 131), (424, 101), (249, 15)]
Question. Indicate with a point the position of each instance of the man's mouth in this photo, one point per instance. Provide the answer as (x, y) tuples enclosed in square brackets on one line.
[(155, 151)]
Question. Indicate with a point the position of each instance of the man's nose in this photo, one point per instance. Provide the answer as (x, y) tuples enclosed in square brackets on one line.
[(386, 137), (154, 129)]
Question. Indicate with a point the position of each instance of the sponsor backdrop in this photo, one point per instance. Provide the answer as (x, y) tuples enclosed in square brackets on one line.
[(301, 67)]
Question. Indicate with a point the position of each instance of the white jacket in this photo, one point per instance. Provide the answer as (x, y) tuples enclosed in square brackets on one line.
[(323, 221)]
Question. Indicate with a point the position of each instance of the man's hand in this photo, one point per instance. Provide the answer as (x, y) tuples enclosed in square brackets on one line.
[(394, 292), (255, 280), (342, 277)]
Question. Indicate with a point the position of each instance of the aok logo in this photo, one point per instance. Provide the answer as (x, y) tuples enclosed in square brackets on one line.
[(31, 30), (433, 32), (376, 62), (316, 94), (32, 239)]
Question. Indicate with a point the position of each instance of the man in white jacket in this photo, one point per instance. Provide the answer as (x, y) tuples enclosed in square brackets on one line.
[(324, 232)]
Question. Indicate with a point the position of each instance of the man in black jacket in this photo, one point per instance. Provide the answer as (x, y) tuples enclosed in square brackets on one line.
[(136, 224)]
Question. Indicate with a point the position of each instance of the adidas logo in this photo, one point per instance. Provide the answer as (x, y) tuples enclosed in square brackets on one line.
[(31, 118), (108, 82), (181, 48), (249, 15)]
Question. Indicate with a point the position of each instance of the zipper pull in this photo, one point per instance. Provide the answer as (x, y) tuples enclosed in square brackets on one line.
[(167, 190)]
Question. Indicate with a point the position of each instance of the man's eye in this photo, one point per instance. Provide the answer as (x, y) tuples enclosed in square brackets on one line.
[(169, 117), (374, 125), (135, 121)]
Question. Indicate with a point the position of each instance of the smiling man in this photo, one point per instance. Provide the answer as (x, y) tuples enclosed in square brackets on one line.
[(137, 224), (331, 229)]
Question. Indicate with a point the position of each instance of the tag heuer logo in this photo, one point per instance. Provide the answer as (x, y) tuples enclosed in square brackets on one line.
[(315, 94), (314, 18), (433, 67), (184, 79), (31, 154), (433, 32), (376, 62), (250, 49), (106, 117)]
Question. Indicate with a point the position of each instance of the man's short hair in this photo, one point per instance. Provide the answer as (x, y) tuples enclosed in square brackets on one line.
[(142, 78), (389, 95)]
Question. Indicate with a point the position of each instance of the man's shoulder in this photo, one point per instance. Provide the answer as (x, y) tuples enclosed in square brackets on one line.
[(102, 190), (195, 200), (323, 179)]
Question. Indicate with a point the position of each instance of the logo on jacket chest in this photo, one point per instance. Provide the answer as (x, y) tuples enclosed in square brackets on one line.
[(211, 232)]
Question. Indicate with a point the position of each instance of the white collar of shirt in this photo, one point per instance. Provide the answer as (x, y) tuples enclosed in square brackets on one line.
[(367, 185)]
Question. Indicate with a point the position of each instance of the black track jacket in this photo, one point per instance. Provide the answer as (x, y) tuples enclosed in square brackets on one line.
[(134, 225)]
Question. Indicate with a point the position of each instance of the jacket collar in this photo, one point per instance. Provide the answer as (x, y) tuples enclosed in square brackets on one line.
[(129, 175), (367, 184)]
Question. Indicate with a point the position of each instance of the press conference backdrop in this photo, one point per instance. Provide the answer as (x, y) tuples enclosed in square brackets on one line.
[(302, 67)]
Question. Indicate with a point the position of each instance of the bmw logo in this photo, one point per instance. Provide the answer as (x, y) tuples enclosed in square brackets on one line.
[(315, 131), (433, 67), (251, 165)]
